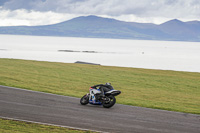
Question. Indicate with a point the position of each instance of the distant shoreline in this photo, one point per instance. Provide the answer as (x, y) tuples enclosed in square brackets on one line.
[(77, 51)]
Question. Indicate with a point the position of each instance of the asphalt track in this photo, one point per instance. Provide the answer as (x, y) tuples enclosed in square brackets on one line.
[(66, 111)]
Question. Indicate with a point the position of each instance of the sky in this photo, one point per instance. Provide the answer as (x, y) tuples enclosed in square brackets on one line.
[(44, 12)]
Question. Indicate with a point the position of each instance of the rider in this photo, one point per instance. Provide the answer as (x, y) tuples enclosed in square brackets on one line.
[(103, 88)]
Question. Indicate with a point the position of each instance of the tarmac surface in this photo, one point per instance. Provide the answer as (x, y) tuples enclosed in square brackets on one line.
[(67, 111)]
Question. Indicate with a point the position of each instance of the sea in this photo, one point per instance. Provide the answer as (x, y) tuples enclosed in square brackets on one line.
[(148, 54)]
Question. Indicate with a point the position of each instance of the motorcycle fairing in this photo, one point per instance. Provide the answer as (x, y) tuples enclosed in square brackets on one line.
[(113, 92), (92, 98)]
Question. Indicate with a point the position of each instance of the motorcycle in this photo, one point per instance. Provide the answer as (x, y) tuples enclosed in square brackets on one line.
[(95, 97)]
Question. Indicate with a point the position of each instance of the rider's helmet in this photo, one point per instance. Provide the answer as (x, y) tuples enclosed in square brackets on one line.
[(108, 83)]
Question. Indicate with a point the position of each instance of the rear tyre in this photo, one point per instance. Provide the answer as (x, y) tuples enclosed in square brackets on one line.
[(110, 102), (84, 100)]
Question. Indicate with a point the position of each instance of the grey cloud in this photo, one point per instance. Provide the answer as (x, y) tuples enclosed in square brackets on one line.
[(21, 4), (142, 8), (2, 2)]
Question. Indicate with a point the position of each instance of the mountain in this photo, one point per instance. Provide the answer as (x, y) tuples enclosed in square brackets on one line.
[(181, 30), (98, 27)]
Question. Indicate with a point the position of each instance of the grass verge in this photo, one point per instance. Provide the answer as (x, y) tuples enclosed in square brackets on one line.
[(158, 89), (12, 126)]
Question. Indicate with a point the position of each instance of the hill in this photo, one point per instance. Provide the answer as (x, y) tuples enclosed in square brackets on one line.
[(98, 27)]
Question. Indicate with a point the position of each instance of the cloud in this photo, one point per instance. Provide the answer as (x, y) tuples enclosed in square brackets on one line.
[(110, 7), (156, 11), (30, 18), (2, 2)]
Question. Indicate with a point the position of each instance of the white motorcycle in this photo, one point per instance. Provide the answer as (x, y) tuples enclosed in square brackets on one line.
[(95, 97)]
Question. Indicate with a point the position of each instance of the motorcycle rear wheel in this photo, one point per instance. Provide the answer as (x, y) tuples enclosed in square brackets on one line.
[(110, 103), (84, 100)]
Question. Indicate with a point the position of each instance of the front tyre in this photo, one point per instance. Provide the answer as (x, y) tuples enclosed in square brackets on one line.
[(109, 102), (84, 100)]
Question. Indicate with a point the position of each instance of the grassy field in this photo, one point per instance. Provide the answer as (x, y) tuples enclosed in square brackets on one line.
[(10, 126), (167, 90)]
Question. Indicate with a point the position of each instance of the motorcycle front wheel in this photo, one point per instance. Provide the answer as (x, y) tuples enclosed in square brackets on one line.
[(84, 100), (109, 102)]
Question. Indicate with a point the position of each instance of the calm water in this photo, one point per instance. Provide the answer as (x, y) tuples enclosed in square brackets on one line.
[(165, 55)]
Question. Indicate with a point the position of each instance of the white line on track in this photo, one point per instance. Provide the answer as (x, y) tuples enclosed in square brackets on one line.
[(38, 92)]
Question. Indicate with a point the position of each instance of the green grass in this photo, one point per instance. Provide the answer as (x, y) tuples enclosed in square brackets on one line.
[(11, 126), (158, 89)]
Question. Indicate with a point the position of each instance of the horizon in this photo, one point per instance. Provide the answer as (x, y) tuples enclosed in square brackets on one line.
[(97, 27), (106, 18)]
